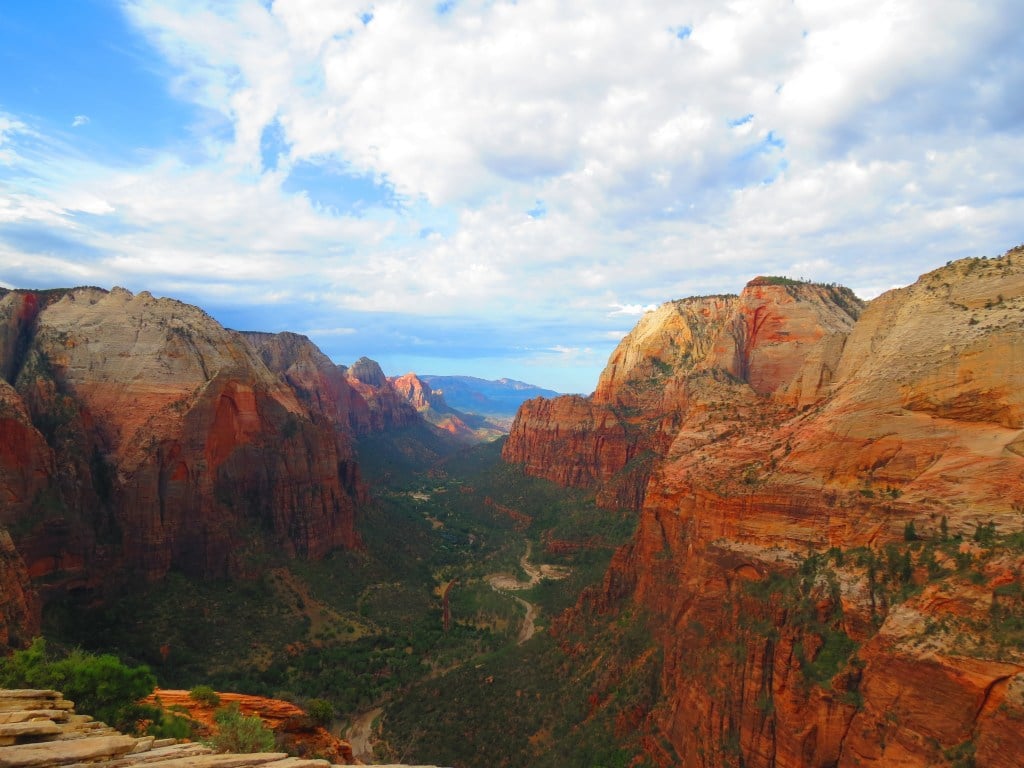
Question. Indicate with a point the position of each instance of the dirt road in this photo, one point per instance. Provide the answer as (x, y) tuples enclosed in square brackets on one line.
[(360, 735), (507, 583)]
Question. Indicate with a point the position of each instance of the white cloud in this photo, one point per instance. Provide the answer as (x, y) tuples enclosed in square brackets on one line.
[(79, 121), (330, 331), (551, 159), (631, 309)]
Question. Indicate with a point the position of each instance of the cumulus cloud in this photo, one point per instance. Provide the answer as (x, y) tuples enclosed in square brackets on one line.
[(676, 149), (631, 309)]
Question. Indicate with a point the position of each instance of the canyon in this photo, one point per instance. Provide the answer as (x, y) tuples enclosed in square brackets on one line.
[(819, 484), (823, 501), (139, 436)]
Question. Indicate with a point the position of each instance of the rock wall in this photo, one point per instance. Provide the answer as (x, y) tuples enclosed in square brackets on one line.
[(666, 372), (811, 553), (388, 409), (139, 435), (19, 608)]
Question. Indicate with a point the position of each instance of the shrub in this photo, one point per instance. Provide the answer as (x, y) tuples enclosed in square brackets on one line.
[(165, 724), (240, 733), (321, 711), (985, 534), (204, 694), (101, 686), (909, 532)]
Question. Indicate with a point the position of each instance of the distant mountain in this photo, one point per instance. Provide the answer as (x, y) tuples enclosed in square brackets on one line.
[(432, 407), (500, 398)]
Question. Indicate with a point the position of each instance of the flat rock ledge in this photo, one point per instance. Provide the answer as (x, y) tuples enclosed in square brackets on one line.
[(40, 729)]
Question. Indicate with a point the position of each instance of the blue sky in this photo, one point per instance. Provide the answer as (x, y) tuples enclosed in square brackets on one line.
[(500, 188)]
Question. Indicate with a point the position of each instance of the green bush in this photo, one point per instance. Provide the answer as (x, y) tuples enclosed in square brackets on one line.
[(240, 733), (321, 710), (101, 686), (169, 725), (204, 694)]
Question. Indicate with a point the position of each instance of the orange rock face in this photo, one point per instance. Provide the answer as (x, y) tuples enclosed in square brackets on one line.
[(295, 732), (387, 408), (665, 372), (140, 435), (433, 409), (794, 429), (416, 391)]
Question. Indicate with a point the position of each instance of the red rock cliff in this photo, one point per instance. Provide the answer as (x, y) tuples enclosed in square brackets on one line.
[(19, 607), (655, 377), (797, 556), (140, 435), (387, 408)]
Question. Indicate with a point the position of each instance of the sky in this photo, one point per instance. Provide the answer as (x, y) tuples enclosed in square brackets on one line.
[(500, 188)]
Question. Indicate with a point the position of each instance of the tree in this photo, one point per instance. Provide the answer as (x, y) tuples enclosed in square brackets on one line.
[(321, 711), (240, 733), (204, 694), (101, 686)]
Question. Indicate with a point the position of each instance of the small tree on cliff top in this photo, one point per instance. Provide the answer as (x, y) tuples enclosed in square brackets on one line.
[(240, 733)]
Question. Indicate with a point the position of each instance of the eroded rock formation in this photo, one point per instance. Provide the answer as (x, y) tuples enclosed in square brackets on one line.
[(138, 435), (666, 372), (432, 407), (294, 730), (40, 729), (818, 553)]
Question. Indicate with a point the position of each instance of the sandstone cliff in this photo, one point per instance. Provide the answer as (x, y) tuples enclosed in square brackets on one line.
[(140, 435), (658, 378), (294, 730), (387, 408), (19, 609), (828, 551), (432, 407)]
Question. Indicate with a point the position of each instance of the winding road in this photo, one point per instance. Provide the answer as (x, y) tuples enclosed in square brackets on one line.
[(505, 584)]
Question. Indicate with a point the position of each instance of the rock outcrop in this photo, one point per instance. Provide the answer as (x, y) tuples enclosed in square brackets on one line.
[(418, 393), (828, 549), (139, 435), (387, 408), (658, 377), (40, 729), (294, 730), (433, 408)]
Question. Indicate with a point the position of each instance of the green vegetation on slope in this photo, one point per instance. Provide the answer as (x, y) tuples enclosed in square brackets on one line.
[(361, 629), (100, 685), (576, 702)]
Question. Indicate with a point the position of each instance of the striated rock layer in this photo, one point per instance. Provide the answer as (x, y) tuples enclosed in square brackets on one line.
[(293, 729), (138, 435), (826, 551), (40, 729), (657, 378)]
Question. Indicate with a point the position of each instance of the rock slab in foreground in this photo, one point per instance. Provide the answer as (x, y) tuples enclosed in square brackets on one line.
[(47, 733)]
